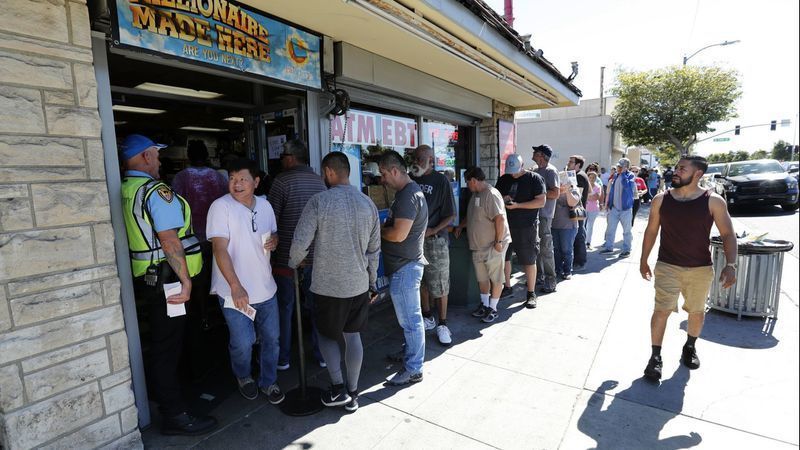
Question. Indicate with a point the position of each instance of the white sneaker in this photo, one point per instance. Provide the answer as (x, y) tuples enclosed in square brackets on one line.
[(444, 335), (429, 322)]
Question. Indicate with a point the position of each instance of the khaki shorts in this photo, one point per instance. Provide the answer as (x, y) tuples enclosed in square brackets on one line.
[(436, 277), (490, 264), (691, 282)]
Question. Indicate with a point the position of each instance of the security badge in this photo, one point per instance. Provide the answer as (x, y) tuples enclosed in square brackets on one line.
[(165, 193)]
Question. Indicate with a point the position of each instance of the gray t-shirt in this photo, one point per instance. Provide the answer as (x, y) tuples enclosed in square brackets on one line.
[(409, 203), (439, 196), (550, 175)]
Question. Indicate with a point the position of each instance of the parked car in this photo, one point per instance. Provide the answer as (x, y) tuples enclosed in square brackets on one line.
[(758, 182), (793, 168), (709, 181)]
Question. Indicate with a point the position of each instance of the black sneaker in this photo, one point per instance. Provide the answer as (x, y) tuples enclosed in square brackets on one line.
[(352, 405), (689, 357), (404, 377), (624, 254), (530, 302), (480, 312), (187, 425), (490, 316), (335, 396), (273, 393), (653, 369), (547, 289), (506, 292), (607, 251), (248, 388)]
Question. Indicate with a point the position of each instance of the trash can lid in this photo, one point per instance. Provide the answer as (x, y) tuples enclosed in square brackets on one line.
[(763, 246)]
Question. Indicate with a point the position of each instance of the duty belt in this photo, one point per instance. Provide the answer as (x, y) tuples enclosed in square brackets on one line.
[(190, 245)]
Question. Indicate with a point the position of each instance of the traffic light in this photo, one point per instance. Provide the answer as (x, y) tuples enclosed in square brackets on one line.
[(773, 125), (737, 130)]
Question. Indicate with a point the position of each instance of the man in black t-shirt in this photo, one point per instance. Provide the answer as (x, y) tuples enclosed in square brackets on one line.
[(441, 212), (576, 163), (524, 194)]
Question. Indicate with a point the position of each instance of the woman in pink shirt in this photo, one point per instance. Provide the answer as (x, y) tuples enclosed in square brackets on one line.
[(592, 205)]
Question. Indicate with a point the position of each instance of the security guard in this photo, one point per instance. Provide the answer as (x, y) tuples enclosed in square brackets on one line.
[(163, 249)]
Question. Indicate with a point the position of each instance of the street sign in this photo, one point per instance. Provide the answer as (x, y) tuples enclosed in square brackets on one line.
[(725, 139)]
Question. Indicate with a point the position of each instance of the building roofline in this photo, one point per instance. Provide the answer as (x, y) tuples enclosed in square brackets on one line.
[(493, 19)]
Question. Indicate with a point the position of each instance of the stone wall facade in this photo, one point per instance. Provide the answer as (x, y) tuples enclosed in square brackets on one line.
[(65, 379), (489, 155)]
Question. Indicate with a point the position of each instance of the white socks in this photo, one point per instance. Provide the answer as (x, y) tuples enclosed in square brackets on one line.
[(485, 299), (493, 303)]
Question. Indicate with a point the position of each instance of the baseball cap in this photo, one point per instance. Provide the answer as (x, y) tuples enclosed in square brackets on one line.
[(513, 163), (134, 144), (624, 162), (544, 148)]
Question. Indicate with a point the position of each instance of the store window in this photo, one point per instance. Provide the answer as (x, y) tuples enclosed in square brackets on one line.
[(453, 153)]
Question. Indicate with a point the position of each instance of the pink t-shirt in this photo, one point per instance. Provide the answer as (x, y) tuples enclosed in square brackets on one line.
[(592, 204), (200, 186)]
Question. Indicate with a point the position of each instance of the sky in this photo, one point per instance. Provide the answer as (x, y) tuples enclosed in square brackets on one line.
[(646, 35)]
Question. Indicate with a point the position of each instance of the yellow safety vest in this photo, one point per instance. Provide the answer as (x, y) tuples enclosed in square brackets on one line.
[(143, 243)]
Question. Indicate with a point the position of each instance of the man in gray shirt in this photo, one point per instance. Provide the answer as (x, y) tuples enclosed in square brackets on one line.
[(546, 262), (402, 239), (343, 225)]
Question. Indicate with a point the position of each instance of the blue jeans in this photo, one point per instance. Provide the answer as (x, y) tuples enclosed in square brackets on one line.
[(243, 335), (404, 289), (615, 217), (286, 309), (563, 240)]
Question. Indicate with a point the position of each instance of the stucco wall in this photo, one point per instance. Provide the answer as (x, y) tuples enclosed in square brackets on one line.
[(65, 379), (587, 136)]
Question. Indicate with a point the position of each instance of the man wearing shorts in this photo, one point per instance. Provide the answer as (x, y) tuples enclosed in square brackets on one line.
[(342, 223), (685, 215), (441, 212), (524, 193), (489, 237)]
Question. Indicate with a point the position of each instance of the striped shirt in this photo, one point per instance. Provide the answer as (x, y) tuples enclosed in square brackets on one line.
[(288, 196)]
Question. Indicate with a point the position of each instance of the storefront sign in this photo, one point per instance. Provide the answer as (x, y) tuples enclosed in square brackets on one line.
[(221, 33), (363, 128)]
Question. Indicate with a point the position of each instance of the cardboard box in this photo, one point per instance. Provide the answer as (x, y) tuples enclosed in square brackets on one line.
[(379, 196)]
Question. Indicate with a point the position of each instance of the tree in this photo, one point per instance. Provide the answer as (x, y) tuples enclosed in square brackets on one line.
[(671, 106), (741, 155), (759, 154), (782, 151)]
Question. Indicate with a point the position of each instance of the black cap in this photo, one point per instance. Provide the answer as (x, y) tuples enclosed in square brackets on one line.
[(544, 148)]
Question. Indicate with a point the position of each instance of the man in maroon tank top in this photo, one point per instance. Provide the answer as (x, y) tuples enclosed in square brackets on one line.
[(684, 215)]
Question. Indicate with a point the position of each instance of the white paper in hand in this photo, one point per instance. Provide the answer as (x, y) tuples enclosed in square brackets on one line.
[(174, 310), (264, 238), (250, 312)]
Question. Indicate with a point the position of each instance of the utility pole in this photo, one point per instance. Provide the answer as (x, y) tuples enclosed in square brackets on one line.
[(602, 97)]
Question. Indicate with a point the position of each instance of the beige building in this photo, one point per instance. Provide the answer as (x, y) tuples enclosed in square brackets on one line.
[(75, 77), (584, 129)]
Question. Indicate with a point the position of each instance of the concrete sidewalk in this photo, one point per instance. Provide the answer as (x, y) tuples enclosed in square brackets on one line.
[(565, 375)]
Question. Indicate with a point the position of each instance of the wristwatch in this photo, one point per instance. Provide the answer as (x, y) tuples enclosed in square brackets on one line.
[(731, 265)]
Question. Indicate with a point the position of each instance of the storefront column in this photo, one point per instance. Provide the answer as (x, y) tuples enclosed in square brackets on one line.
[(65, 379), (489, 159)]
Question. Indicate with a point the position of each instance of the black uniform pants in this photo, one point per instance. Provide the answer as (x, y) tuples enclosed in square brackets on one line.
[(165, 345)]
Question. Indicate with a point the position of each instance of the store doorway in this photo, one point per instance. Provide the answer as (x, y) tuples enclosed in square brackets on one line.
[(232, 118)]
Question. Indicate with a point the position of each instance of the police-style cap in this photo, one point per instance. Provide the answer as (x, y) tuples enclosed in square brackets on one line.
[(513, 164), (544, 149), (134, 144)]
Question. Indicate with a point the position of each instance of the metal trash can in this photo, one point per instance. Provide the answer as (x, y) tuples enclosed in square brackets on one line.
[(758, 278)]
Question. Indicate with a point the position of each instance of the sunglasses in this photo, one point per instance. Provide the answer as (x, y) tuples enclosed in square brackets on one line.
[(253, 223)]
